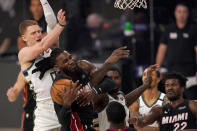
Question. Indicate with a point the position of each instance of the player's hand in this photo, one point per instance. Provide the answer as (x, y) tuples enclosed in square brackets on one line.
[(70, 95), (117, 54), (85, 97), (12, 94), (150, 69), (132, 120), (61, 17)]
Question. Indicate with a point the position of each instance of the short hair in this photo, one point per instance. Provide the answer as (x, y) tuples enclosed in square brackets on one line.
[(175, 75), (116, 112), (24, 24), (182, 4), (114, 68)]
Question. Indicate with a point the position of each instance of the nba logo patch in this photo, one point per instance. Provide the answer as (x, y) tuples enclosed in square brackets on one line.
[(173, 35)]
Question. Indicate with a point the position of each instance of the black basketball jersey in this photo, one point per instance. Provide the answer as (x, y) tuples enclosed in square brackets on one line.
[(29, 101), (177, 119), (82, 114)]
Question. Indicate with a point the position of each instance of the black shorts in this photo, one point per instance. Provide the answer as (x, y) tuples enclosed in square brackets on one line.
[(27, 123)]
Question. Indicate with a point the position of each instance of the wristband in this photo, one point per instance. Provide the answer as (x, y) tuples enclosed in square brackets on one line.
[(61, 24)]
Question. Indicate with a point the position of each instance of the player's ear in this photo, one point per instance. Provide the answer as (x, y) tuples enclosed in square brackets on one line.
[(23, 38)]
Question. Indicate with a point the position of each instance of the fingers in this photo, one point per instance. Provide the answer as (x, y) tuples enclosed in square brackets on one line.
[(61, 17), (155, 67)]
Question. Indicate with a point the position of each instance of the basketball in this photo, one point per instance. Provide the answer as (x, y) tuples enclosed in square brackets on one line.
[(57, 89)]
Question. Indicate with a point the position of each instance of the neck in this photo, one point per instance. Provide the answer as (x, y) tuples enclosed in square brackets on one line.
[(174, 104), (37, 17), (181, 24), (118, 126), (151, 93)]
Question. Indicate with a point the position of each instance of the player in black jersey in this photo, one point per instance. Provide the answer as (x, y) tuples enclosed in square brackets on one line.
[(178, 114), (71, 114), (88, 77)]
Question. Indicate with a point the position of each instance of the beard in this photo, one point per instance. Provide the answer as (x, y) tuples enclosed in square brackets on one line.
[(70, 72), (173, 98)]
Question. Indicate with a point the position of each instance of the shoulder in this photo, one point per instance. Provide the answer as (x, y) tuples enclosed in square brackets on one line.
[(193, 105), (86, 66)]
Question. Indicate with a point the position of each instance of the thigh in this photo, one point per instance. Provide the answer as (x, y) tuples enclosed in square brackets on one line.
[(27, 122)]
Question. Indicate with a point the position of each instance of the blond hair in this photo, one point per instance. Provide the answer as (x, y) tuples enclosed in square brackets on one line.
[(26, 23)]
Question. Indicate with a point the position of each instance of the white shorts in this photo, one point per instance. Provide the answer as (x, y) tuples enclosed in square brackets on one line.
[(45, 118)]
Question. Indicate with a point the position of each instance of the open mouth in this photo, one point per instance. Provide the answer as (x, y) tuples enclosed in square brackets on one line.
[(38, 40)]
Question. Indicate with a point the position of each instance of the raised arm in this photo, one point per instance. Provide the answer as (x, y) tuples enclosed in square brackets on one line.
[(161, 53), (142, 121), (49, 15), (97, 75), (28, 54), (134, 95), (14, 91)]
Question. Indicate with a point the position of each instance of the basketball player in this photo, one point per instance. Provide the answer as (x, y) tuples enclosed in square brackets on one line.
[(87, 75), (83, 71), (45, 117), (147, 100), (27, 123), (116, 115), (116, 95), (179, 114)]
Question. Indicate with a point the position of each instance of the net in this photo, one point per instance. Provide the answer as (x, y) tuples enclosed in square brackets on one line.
[(124, 4)]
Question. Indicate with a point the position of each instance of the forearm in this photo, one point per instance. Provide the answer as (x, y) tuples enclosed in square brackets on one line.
[(49, 15), (52, 37), (160, 54), (98, 75), (134, 95), (105, 86), (149, 128)]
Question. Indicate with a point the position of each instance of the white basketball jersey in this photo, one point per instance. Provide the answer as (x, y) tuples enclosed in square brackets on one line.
[(102, 116), (144, 108), (41, 87)]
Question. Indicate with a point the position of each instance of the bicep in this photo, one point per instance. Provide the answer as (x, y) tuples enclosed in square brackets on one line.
[(30, 53), (193, 108)]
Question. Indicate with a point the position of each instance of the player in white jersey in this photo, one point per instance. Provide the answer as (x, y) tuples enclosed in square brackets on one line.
[(147, 100), (125, 100), (114, 95), (45, 117)]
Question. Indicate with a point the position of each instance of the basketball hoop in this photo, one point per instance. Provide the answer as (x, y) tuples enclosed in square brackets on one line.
[(124, 4)]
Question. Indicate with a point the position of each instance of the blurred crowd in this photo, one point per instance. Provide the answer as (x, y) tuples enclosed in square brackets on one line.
[(95, 28)]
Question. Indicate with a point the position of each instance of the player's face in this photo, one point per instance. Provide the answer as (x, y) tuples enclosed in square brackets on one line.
[(36, 8), (65, 62), (114, 75), (32, 35), (181, 13), (155, 78), (173, 89)]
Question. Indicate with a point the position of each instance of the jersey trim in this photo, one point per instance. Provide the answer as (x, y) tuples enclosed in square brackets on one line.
[(153, 103), (31, 65)]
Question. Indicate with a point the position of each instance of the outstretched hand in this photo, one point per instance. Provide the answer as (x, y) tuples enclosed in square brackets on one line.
[(150, 69), (61, 17), (70, 95), (12, 94), (117, 54)]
